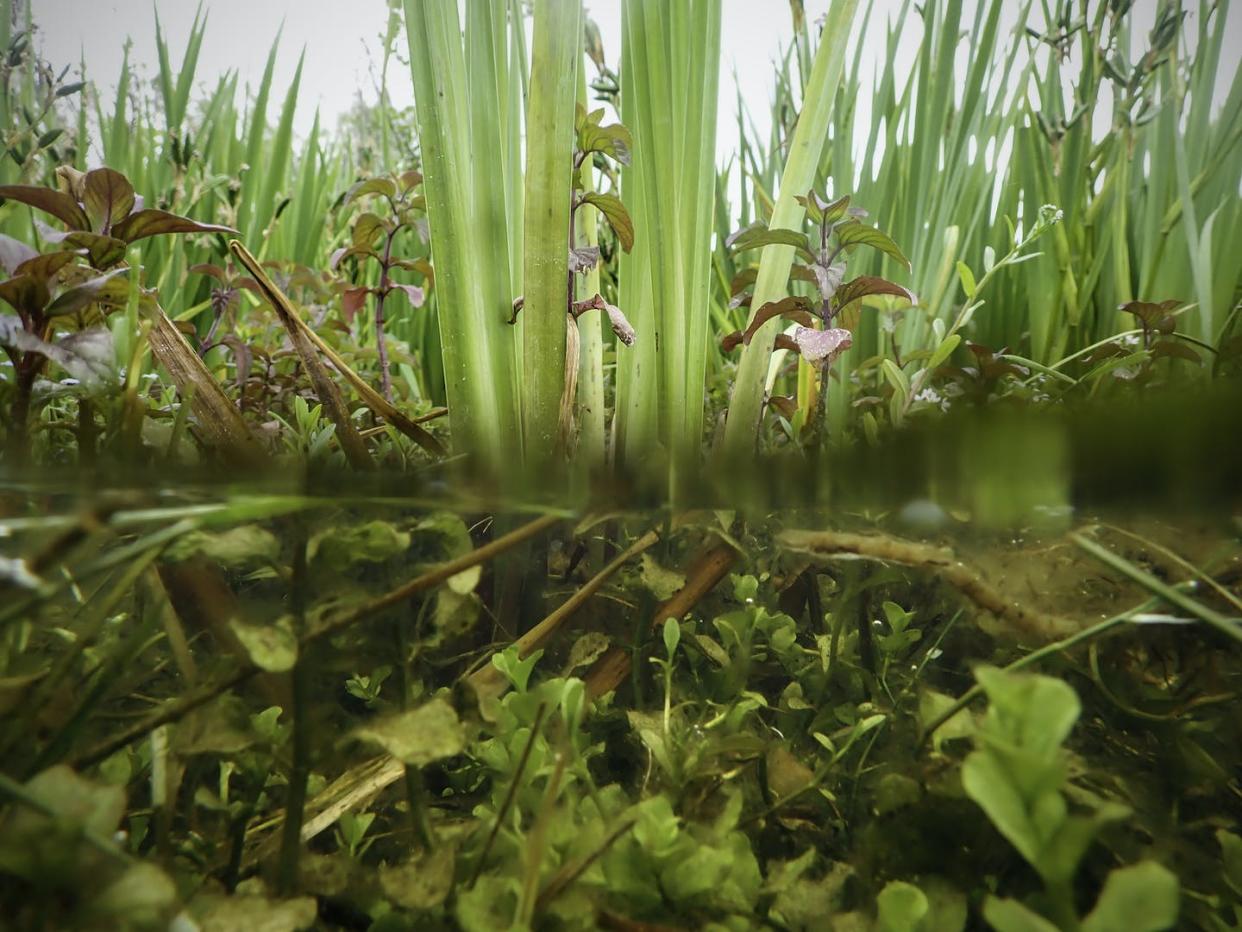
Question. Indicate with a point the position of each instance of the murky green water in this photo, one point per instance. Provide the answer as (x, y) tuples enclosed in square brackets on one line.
[(980, 670)]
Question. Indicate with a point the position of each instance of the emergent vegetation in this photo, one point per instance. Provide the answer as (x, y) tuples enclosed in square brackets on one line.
[(385, 539)]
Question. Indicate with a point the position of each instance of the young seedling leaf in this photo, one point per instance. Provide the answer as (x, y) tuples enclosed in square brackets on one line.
[(613, 140), (615, 213), (270, 647), (854, 233), (1140, 898)]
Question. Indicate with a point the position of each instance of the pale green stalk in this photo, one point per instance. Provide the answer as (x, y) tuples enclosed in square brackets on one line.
[(589, 453), (746, 402), (476, 343), (670, 66), (555, 59)]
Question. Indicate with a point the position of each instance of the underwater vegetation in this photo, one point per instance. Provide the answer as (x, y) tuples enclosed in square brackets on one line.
[(498, 514)]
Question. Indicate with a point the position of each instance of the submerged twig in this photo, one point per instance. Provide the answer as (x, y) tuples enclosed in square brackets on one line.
[(943, 561), (575, 869), (612, 668), (487, 681)]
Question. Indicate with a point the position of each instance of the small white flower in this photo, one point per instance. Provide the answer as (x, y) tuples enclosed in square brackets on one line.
[(933, 397)]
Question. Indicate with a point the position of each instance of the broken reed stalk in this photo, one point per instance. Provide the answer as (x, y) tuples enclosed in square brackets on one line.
[(488, 682), (179, 708), (370, 397), (829, 544), (613, 667), (221, 425)]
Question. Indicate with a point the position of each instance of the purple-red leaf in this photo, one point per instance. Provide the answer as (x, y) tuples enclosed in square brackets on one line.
[(615, 213), (743, 279), (785, 405), (108, 198), (26, 294), (352, 300), (43, 267), (111, 288), (1175, 349), (385, 187), (854, 233), (153, 222), (616, 318), (60, 205), (785, 342), (758, 236), (416, 296), (103, 251), (866, 285), (791, 308)]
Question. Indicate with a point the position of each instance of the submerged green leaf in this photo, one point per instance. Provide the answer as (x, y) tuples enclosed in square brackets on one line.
[(1140, 898), (271, 647), (420, 736), (235, 548)]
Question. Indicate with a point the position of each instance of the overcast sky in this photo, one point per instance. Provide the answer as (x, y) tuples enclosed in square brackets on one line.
[(342, 43)]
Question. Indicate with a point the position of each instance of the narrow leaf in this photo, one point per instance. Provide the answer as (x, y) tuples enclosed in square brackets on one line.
[(615, 213), (153, 222)]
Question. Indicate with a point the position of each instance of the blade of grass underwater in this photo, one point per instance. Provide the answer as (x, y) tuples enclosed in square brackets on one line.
[(809, 138)]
